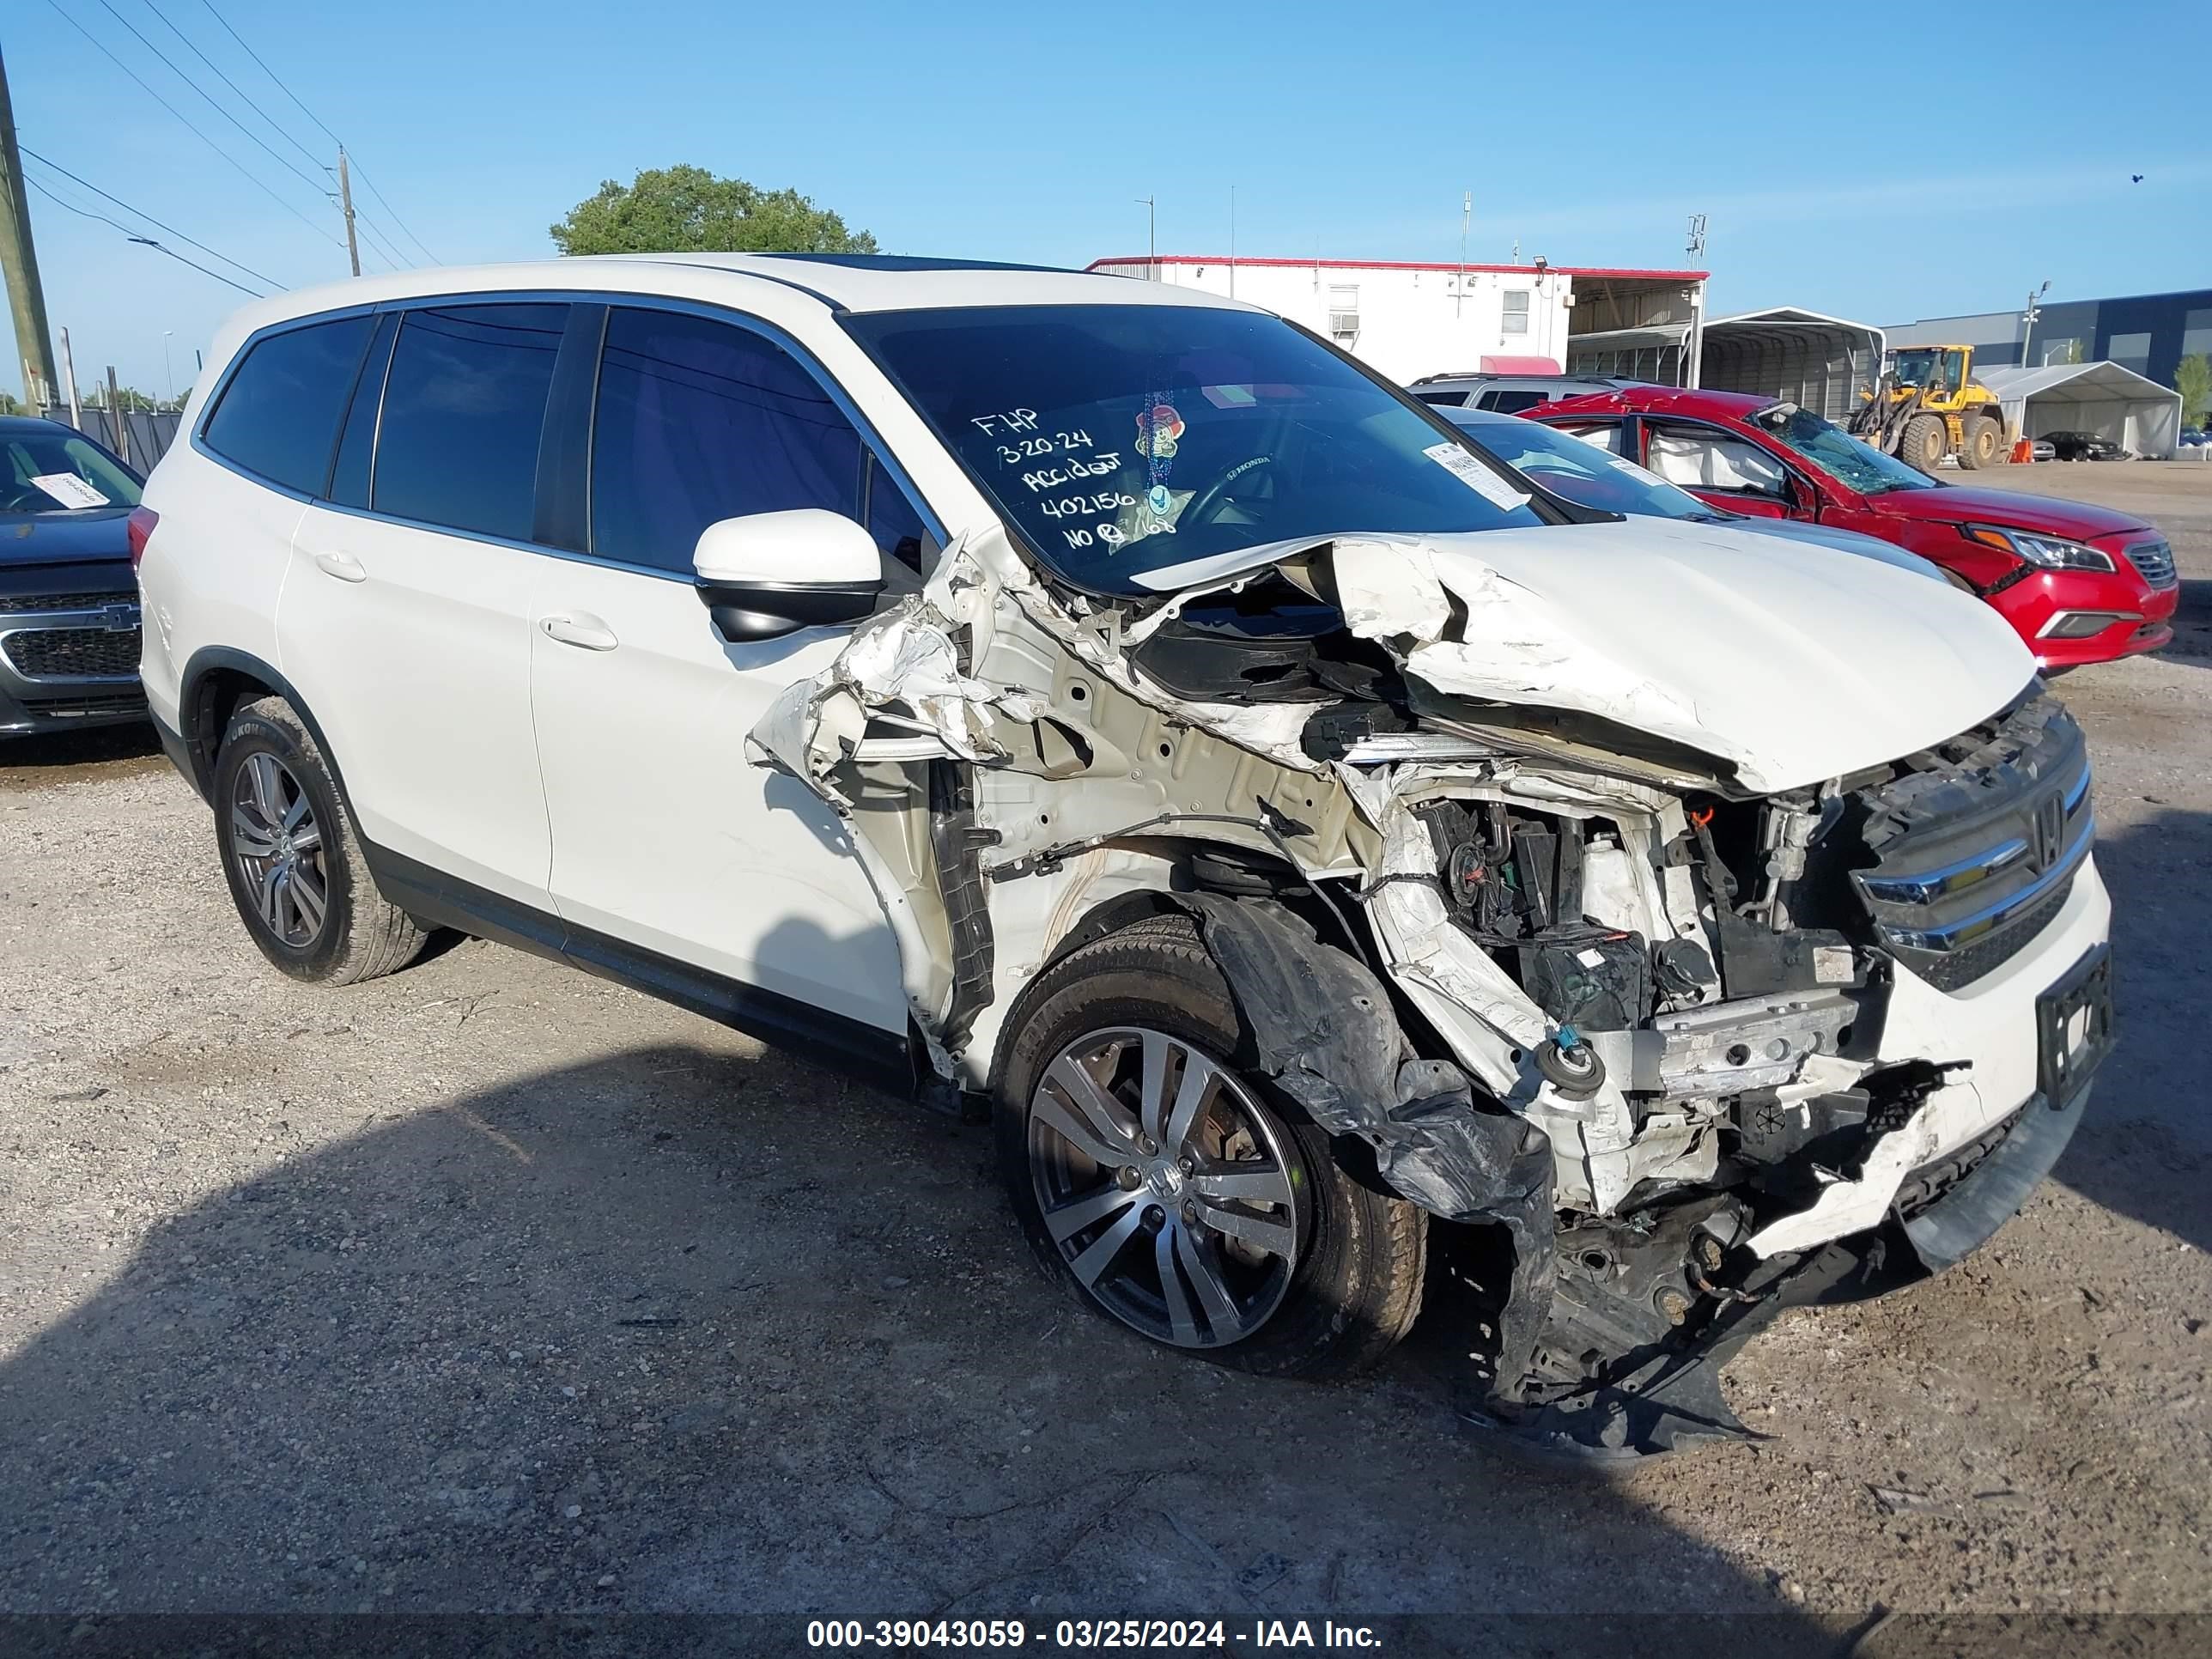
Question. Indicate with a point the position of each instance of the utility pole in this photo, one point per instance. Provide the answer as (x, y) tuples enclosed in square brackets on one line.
[(68, 384), (1465, 215), (2029, 320), (1232, 241), (19, 264), (120, 433), (345, 199), (1150, 205), (1693, 363)]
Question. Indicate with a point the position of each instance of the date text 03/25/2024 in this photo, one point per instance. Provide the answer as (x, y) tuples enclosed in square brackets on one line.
[(940, 1634)]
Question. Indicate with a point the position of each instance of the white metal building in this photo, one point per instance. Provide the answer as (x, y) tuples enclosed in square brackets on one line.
[(1409, 319), (2102, 398)]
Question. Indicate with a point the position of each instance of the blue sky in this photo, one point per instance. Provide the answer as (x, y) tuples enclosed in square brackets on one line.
[(1586, 133)]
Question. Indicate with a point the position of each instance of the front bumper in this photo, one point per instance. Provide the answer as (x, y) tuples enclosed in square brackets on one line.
[(41, 690), (2142, 616), (1670, 1400), (1929, 1195), (80, 712)]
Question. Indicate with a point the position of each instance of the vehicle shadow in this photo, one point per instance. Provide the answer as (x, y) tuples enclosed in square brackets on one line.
[(2145, 1142), (678, 1332), (55, 751), (2193, 619)]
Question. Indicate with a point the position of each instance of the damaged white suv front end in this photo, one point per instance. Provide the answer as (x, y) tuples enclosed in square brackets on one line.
[(1712, 918)]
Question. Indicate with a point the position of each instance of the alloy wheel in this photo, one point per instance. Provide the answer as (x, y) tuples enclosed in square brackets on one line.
[(278, 845), (1173, 1198)]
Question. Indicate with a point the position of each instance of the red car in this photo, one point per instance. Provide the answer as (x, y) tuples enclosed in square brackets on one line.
[(2081, 584)]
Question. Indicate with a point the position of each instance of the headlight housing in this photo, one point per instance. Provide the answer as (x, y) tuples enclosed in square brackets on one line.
[(2050, 552)]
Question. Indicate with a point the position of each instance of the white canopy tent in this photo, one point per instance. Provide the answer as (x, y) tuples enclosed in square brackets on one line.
[(2102, 398)]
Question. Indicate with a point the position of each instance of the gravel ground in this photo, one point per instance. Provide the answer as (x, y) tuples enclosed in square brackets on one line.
[(491, 1286)]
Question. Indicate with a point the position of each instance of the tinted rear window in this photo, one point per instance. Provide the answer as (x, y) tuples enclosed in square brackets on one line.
[(1509, 403), (279, 415), (464, 405)]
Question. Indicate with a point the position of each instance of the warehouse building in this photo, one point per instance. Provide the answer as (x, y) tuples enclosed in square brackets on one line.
[(2149, 333)]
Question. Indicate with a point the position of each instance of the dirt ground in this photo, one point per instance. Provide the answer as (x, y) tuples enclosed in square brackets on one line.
[(491, 1286)]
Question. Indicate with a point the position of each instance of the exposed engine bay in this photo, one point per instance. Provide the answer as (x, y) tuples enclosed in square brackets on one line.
[(1583, 950)]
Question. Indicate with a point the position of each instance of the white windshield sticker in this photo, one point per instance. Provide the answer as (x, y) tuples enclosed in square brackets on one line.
[(70, 489), (1622, 463), (1475, 475)]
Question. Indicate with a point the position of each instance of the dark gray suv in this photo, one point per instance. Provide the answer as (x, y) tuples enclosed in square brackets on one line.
[(69, 597)]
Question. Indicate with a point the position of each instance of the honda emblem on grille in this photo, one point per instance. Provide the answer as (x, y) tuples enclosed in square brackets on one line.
[(121, 618), (2050, 826)]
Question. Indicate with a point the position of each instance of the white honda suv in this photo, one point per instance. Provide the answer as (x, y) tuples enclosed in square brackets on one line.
[(1117, 710)]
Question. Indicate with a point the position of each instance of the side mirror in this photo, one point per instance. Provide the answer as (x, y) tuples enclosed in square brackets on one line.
[(771, 573)]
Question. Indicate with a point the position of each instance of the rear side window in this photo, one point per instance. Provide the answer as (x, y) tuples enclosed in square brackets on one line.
[(279, 415), (464, 407), (1443, 399), (1606, 434), (1509, 403), (698, 420)]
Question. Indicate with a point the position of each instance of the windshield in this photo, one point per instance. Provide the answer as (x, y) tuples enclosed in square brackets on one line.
[(1581, 469), (61, 472), (1856, 465), (1119, 439)]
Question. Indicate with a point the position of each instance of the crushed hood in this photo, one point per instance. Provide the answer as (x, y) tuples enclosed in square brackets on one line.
[(1792, 661)]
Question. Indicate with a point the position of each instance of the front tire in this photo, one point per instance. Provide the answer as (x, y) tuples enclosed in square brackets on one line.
[(292, 862), (1984, 445), (1925, 441), (1170, 1188)]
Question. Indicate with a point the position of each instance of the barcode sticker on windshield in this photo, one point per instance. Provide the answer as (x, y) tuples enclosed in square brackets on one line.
[(1622, 463), (1475, 475), (70, 489)]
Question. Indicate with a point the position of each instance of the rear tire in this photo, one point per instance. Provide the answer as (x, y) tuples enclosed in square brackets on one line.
[(1132, 1238), (1925, 442), (291, 860), (1984, 445)]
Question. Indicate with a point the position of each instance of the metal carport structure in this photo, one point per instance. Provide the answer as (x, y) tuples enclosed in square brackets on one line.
[(1818, 362), (1806, 357), (2100, 398)]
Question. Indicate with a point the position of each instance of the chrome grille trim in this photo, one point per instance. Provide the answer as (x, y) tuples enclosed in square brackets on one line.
[(1954, 935), (1933, 885), (2153, 562)]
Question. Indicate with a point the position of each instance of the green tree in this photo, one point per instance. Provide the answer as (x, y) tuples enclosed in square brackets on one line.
[(10, 403), (2193, 379), (687, 209)]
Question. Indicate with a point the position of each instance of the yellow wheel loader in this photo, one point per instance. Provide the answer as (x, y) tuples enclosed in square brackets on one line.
[(1929, 406)]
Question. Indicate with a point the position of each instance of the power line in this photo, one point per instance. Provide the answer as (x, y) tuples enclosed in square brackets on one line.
[(279, 81), (397, 261), (144, 241), (244, 97), (266, 70), (359, 174), (208, 99), (257, 180), (376, 234), (140, 213)]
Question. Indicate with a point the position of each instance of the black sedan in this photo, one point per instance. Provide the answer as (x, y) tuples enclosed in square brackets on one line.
[(69, 597), (2085, 447)]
